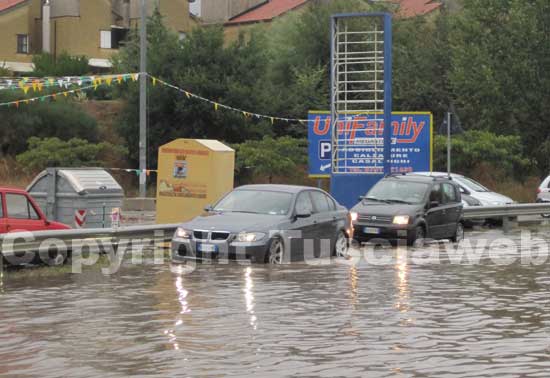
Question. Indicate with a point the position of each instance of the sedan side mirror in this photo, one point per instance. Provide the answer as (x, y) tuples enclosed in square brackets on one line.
[(208, 208), (302, 213), (361, 198), (434, 204)]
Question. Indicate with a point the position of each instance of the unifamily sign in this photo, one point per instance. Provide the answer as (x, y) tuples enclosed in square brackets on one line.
[(360, 143)]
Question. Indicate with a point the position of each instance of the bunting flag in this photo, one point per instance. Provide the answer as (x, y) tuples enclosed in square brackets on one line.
[(52, 96), (93, 82), (137, 172), (37, 84), (217, 105)]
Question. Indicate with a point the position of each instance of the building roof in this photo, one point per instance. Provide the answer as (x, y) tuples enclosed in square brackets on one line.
[(266, 11), (413, 8), (270, 9), (7, 4)]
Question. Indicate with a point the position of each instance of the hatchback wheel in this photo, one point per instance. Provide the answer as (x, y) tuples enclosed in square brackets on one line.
[(417, 238), (341, 246), (276, 252), (459, 235)]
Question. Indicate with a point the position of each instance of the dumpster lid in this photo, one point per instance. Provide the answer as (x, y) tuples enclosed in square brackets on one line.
[(86, 180), (214, 145)]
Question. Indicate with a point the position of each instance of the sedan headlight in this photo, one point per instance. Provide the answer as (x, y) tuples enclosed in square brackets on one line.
[(354, 216), (183, 233), (250, 236), (401, 219)]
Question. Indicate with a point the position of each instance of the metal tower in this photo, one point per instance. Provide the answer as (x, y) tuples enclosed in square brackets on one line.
[(361, 69)]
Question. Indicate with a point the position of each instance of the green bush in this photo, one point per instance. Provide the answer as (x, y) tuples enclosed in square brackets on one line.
[(63, 65), (54, 152), (61, 118)]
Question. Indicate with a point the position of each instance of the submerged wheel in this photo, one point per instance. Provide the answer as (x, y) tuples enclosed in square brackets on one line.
[(459, 234), (276, 252), (341, 245), (417, 238)]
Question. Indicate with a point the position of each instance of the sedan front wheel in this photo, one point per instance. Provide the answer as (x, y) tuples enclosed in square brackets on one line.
[(341, 246), (276, 252)]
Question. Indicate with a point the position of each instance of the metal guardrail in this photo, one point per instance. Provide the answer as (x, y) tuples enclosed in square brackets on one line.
[(92, 239), (506, 211), (152, 234)]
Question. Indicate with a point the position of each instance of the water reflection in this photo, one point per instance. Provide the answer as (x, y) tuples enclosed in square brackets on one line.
[(249, 296), (397, 319)]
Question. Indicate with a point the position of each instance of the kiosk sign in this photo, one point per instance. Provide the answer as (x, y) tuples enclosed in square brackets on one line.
[(361, 145)]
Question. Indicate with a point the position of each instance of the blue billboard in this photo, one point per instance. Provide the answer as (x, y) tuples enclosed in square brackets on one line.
[(360, 145)]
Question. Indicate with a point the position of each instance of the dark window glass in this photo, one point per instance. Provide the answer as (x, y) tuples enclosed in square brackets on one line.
[(449, 194), (22, 44), (19, 207), (321, 202), (1, 207), (435, 194), (303, 203)]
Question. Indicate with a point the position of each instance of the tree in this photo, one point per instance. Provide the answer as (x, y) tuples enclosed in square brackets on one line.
[(270, 157), (475, 147), (202, 64), (53, 152), (500, 54)]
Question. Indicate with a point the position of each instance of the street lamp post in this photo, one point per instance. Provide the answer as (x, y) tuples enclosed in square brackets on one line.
[(143, 103)]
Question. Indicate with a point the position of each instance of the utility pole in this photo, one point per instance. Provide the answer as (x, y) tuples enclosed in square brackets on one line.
[(449, 143), (143, 102)]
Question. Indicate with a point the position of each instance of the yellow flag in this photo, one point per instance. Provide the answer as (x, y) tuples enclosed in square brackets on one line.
[(109, 80), (154, 81), (272, 120), (188, 94), (26, 89), (216, 106)]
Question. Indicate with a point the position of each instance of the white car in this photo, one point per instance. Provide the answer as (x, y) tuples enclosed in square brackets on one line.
[(543, 192), (474, 189)]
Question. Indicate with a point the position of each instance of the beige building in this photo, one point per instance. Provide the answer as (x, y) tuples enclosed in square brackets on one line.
[(94, 28)]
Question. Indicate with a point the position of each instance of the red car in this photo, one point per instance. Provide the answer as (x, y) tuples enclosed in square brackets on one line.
[(19, 212)]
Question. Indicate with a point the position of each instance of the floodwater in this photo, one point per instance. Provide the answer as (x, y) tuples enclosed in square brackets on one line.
[(393, 320)]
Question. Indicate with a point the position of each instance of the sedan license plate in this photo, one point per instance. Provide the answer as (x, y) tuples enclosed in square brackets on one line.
[(371, 230), (209, 248)]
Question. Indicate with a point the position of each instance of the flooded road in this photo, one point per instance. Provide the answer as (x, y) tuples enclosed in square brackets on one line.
[(393, 320)]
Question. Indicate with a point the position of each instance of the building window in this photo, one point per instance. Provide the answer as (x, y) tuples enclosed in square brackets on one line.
[(105, 39), (22, 44)]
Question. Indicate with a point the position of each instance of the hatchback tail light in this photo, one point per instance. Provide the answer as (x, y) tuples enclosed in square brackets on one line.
[(539, 191)]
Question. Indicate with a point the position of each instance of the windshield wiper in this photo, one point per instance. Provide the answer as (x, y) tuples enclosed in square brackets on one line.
[(398, 201), (375, 199), (244, 212)]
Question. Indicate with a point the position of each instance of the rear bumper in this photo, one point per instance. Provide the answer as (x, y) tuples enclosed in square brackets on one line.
[(186, 249)]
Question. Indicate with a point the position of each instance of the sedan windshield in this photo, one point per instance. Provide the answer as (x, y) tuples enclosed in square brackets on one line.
[(393, 191), (255, 202), (473, 185)]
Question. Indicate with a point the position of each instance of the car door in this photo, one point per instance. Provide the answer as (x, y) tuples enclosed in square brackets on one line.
[(306, 226), (21, 214), (325, 221), (452, 208), (3, 220), (435, 215)]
